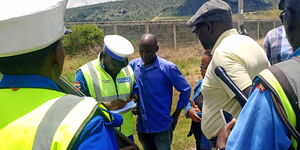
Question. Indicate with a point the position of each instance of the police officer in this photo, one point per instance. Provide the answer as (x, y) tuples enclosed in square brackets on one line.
[(270, 119), (109, 78), (34, 113)]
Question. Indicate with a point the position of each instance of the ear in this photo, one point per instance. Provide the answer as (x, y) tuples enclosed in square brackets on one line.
[(58, 55), (209, 27)]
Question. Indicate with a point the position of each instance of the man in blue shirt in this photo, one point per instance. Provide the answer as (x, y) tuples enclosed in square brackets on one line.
[(259, 125), (155, 78)]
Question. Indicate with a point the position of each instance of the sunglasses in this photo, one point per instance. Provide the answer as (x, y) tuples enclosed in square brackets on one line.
[(203, 66), (281, 16), (197, 28)]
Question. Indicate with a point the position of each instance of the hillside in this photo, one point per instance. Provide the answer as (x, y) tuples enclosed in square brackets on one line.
[(149, 10)]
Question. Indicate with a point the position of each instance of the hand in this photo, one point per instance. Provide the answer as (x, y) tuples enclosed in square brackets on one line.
[(134, 97), (192, 112), (115, 104), (135, 111), (224, 133)]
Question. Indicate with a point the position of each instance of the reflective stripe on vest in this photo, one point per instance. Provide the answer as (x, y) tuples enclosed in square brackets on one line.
[(271, 79), (54, 125), (96, 77)]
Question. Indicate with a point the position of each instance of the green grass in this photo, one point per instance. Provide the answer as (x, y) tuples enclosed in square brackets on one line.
[(186, 59)]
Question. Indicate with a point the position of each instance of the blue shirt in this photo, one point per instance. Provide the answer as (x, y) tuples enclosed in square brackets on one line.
[(197, 92), (154, 85), (80, 83), (276, 45), (258, 125), (95, 135)]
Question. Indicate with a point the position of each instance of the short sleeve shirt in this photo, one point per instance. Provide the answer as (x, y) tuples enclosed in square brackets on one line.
[(242, 58)]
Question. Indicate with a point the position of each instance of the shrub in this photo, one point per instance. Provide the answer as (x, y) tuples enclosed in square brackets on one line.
[(83, 39)]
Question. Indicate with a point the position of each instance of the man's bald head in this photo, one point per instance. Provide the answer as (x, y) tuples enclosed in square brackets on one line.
[(148, 48), (148, 39)]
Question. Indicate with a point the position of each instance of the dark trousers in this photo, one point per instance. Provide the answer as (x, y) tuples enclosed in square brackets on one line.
[(201, 141), (156, 141)]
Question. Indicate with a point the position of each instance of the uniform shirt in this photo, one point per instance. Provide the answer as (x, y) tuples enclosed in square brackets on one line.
[(80, 83), (154, 86), (276, 45), (258, 125), (242, 58), (93, 136)]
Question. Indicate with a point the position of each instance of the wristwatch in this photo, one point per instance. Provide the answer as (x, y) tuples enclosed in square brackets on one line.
[(220, 148)]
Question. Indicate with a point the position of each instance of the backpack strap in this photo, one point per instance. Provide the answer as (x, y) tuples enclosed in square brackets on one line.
[(282, 79), (288, 90)]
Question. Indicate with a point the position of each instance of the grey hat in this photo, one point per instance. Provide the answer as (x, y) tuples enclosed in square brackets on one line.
[(213, 10)]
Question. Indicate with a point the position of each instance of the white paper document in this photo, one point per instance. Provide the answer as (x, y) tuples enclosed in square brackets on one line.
[(127, 107)]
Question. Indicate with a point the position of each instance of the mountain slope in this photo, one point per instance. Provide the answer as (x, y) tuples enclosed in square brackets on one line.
[(147, 10)]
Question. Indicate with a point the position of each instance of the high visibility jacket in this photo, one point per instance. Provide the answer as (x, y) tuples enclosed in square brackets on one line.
[(53, 122), (102, 87), (291, 70)]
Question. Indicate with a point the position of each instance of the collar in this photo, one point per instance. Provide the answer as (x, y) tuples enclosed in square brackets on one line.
[(224, 35), (100, 60), (27, 81), (295, 53), (154, 64)]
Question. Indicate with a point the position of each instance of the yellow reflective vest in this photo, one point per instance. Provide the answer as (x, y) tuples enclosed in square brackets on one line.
[(48, 119), (102, 87)]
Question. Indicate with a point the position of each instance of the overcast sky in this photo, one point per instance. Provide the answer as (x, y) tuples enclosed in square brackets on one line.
[(77, 3)]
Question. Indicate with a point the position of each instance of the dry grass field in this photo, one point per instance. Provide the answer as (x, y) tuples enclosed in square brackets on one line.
[(187, 60)]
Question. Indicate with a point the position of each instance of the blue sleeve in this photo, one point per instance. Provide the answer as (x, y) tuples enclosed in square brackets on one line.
[(259, 126), (187, 108), (197, 91), (80, 83), (96, 136), (181, 85), (132, 64)]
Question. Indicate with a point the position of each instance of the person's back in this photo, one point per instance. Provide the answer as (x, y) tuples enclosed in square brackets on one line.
[(242, 62), (276, 45), (270, 118), (34, 113)]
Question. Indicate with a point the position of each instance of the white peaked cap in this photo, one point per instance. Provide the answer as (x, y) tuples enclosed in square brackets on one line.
[(118, 47), (30, 25)]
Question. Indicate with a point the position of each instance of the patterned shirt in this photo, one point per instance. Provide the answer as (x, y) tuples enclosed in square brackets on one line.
[(276, 45)]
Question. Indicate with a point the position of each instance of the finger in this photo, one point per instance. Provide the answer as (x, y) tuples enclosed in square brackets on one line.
[(193, 104), (197, 109), (231, 124), (196, 118)]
